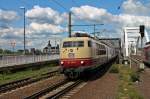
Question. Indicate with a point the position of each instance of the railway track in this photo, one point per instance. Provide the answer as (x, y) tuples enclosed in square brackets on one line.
[(55, 91), (22, 82), (136, 58)]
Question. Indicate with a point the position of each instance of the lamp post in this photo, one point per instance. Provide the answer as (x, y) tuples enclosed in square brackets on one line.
[(13, 44), (24, 30)]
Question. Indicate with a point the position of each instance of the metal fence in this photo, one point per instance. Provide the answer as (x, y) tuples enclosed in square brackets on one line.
[(25, 59)]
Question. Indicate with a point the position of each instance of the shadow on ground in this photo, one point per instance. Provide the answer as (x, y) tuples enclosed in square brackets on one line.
[(99, 72)]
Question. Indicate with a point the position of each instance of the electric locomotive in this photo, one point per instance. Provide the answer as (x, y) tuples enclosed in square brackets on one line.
[(82, 52)]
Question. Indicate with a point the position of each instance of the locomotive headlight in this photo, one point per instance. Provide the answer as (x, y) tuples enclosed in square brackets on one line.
[(82, 62), (61, 62)]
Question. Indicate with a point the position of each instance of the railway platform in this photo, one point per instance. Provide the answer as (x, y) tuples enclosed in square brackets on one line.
[(9, 61), (15, 63)]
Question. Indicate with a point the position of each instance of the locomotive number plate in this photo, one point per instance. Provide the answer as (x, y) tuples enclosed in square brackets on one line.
[(71, 55)]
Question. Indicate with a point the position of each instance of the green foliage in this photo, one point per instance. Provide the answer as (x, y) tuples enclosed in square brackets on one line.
[(7, 51), (126, 86), (1, 51), (7, 77), (20, 51), (134, 76), (114, 69)]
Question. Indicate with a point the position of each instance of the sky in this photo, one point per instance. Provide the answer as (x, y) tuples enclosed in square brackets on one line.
[(48, 19)]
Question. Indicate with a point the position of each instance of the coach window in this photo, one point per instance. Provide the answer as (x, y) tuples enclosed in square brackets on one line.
[(89, 44), (103, 47)]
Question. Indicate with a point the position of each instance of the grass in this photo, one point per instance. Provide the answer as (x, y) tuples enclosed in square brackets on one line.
[(8, 77), (127, 77), (114, 69)]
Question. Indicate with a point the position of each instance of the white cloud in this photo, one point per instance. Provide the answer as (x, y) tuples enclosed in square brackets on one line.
[(91, 14), (43, 25), (135, 7), (44, 15), (39, 34), (46, 28), (33, 39), (132, 20), (100, 15), (45, 22), (11, 33), (7, 16), (134, 14)]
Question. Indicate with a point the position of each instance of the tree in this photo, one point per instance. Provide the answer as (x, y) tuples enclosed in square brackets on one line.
[(1, 51), (8, 51), (20, 51)]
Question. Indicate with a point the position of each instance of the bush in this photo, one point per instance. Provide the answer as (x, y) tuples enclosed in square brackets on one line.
[(135, 76), (114, 69)]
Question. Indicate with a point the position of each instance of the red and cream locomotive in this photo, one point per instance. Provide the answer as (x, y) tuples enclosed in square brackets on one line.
[(82, 52)]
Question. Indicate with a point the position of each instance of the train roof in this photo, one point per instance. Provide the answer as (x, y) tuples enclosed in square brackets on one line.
[(84, 36), (79, 36), (87, 38), (76, 38)]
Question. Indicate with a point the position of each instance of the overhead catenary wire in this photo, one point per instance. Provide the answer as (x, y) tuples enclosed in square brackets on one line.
[(86, 24), (75, 2), (83, 11), (119, 7), (60, 5)]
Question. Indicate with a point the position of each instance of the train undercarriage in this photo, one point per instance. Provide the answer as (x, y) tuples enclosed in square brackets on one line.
[(75, 73)]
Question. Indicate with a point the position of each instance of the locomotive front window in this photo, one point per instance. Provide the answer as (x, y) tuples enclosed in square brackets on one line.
[(73, 44), (67, 44)]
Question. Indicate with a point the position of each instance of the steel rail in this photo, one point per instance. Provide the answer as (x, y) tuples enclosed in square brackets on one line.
[(64, 91), (22, 82), (48, 89)]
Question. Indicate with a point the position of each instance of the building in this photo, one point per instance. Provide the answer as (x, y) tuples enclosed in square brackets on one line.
[(47, 49), (51, 50), (32, 50), (55, 49)]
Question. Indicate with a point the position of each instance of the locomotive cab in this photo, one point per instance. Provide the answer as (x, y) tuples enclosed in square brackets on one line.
[(75, 52)]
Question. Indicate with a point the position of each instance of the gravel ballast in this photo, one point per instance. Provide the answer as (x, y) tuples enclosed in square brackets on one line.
[(29, 89)]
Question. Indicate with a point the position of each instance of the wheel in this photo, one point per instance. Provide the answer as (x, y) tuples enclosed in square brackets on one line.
[(73, 75)]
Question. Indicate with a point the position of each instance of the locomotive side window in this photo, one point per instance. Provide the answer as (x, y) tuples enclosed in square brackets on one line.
[(89, 44), (73, 44), (80, 44)]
